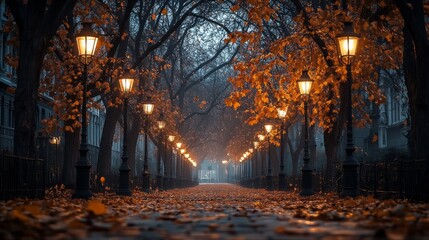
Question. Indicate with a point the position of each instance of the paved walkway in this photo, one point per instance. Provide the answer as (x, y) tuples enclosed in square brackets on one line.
[(213, 211)]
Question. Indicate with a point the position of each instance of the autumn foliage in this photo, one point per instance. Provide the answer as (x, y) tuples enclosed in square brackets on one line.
[(284, 38)]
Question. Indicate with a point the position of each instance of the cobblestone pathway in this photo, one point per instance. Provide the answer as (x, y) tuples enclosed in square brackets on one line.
[(214, 211)]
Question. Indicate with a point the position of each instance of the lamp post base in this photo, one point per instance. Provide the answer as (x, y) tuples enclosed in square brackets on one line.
[(124, 182), (269, 182), (146, 182), (350, 180), (307, 182), (261, 182), (82, 181), (166, 182), (282, 182), (159, 183)]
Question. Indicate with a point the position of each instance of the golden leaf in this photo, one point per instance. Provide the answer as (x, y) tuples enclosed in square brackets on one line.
[(96, 207)]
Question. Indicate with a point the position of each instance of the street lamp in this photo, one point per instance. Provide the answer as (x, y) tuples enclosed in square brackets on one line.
[(168, 171), (181, 167), (178, 164), (148, 107), (347, 46), (126, 83), (161, 125), (56, 141), (282, 112), (305, 84), (255, 164), (86, 44), (261, 138), (269, 177)]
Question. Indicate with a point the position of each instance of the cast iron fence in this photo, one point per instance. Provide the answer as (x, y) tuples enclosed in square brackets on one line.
[(21, 177), (399, 178)]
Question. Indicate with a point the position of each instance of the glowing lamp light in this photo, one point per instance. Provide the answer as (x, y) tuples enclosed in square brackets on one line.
[(251, 150), (160, 122), (178, 145), (148, 106), (186, 155), (268, 128), (305, 83), (182, 151), (281, 112), (224, 162), (171, 138), (126, 82), (86, 42), (261, 137), (347, 42), (255, 144), (55, 140)]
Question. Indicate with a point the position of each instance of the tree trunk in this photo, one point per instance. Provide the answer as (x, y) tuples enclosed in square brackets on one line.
[(71, 154), (295, 160), (37, 23), (332, 145), (105, 154), (416, 61), (31, 54), (133, 136)]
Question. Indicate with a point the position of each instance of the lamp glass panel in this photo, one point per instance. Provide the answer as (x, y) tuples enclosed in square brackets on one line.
[(268, 128), (305, 87), (126, 84), (86, 46), (256, 144), (148, 108), (161, 124)]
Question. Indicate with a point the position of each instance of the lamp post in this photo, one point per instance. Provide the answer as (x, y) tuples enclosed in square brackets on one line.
[(347, 46), (168, 169), (161, 125), (255, 164), (178, 146), (305, 84), (181, 167), (187, 168), (261, 138), (251, 161), (148, 107), (282, 176), (86, 43), (126, 83), (269, 177)]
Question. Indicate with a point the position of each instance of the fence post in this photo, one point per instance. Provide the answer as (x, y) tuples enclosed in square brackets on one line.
[(375, 180), (400, 180), (386, 178)]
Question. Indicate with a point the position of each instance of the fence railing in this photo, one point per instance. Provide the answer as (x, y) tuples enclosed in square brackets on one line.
[(395, 179), (21, 177)]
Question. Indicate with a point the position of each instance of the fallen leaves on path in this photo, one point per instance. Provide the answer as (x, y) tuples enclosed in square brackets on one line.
[(216, 209)]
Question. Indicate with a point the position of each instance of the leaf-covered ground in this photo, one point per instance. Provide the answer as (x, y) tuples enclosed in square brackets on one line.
[(213, 211)]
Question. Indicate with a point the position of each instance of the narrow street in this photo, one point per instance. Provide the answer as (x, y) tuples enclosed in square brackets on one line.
[(212, 211)]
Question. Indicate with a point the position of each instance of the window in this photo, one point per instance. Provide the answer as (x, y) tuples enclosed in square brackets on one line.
[(396, 110)]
